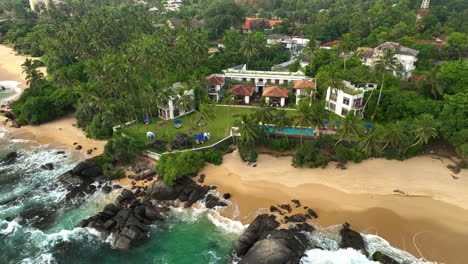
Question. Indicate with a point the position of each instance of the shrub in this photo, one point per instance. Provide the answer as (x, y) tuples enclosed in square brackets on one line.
[(113, 173), (280, 144), (344, 154), (37, 110), (247, 152), (324, 141), (121, 149), (213, 156), (100, 127), (175, 165), (307, 155)]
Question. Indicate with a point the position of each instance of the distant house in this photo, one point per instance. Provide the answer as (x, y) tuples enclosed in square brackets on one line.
[(439, 43), (350, 98), (215, 84), (331, 44), (170, 110), (405, 56), (294, 44), (176, 23), (173, 5), (301, 87), (276, 95), (242, 92), (253, 23), (33, 3)]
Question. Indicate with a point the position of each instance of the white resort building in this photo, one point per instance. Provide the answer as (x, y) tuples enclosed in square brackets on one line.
[(350, 98), (215, 84), (294, 44), (173, 5), (405, 56), (171, 110)]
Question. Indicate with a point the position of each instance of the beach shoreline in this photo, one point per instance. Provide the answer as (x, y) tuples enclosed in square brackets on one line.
[(427, 224), (61, 133)]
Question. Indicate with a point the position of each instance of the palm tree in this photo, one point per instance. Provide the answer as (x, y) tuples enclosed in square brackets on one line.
[(431, 86), (229, 99), (184, 100), (263, 114), (311, 50), (395, 136), (309, 96), (370, 143), (319, 114), (247, 128), (331, 79), (347, 45), (425, 128), (251, 47), (33, 76), (281, 122), (205, 113), (388, 62), (348, 128), (303, 117)]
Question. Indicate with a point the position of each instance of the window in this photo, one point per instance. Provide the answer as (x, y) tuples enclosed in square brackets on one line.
[(344, 112), (345, 100), (244, 79), (277, 81), (285, 81), (332, 106)]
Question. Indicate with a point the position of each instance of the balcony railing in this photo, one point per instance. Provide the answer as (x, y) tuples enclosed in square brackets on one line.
[(212, 90), (358, 106)]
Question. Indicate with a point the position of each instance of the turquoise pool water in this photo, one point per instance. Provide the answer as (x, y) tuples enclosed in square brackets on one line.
[(292, 130)]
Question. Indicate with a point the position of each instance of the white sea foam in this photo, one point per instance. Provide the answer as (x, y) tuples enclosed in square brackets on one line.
[(13, 85), (340, 256)]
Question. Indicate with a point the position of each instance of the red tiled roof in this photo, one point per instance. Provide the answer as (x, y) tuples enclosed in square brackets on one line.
[(417, 78), (427, 41), (443, 38), (215, 80), (275, 91), (242, 90), (304, 84), (253, 21), (331, 44)]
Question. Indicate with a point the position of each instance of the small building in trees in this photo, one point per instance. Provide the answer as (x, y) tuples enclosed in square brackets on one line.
[(331, 44), (171, 109), (215, 84), (242, 92), (302, 88), (173, 5), (406, 57), (294, 44), (341, 101), (252, 24), (276, 96)]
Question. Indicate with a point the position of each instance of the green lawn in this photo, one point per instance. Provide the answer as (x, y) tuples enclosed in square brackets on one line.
[(218, 127)]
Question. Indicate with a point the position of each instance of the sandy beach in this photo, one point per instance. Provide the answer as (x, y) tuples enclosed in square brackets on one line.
[(61, 133), (430, 220)]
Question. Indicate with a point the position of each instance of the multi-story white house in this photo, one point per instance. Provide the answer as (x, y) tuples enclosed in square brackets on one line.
[(260, 79), (215, 84), (405, 56), (294, 44), (350, 98), (170, 110), (302, 88)]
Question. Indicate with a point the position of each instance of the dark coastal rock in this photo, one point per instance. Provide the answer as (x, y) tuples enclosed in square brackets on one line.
[(9, 115), (352, 239), (258, 229), (212, 201), (297, 203), (201, 180), (128, 223), (181, 141), (282, 246), (106, 189), (161, 191), (384, 259), (303, 227), (47, 166), (286, 207), (226, 196), (312, 213), (10, 158), (79, 147), (275, 209), (297, 218)]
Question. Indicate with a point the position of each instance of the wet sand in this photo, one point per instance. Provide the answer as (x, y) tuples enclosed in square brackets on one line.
[(60, 133), (430, 222)]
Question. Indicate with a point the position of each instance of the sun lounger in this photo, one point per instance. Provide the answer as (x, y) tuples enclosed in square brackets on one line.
[(178, 126)]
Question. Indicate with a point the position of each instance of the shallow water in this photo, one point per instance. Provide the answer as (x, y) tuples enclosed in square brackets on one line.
[(10, 91)]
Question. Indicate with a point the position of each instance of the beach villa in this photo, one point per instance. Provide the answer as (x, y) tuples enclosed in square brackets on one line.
[(405, 56), (301, 88), (350, 98), (242, 92), (170, 110), (215, 84), (276, 96)]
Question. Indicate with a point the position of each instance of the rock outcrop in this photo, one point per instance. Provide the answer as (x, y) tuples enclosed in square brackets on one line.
[(10, 158), (181, 141), (262, 243), (127, 221), (352, 239)]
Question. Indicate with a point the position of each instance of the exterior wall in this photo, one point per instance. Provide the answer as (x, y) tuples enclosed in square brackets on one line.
[(213, 91), (300, 92), (261, 79), (341, 103), (247, 99)]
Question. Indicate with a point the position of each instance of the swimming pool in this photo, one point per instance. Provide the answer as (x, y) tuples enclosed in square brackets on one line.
[(292, 130)]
